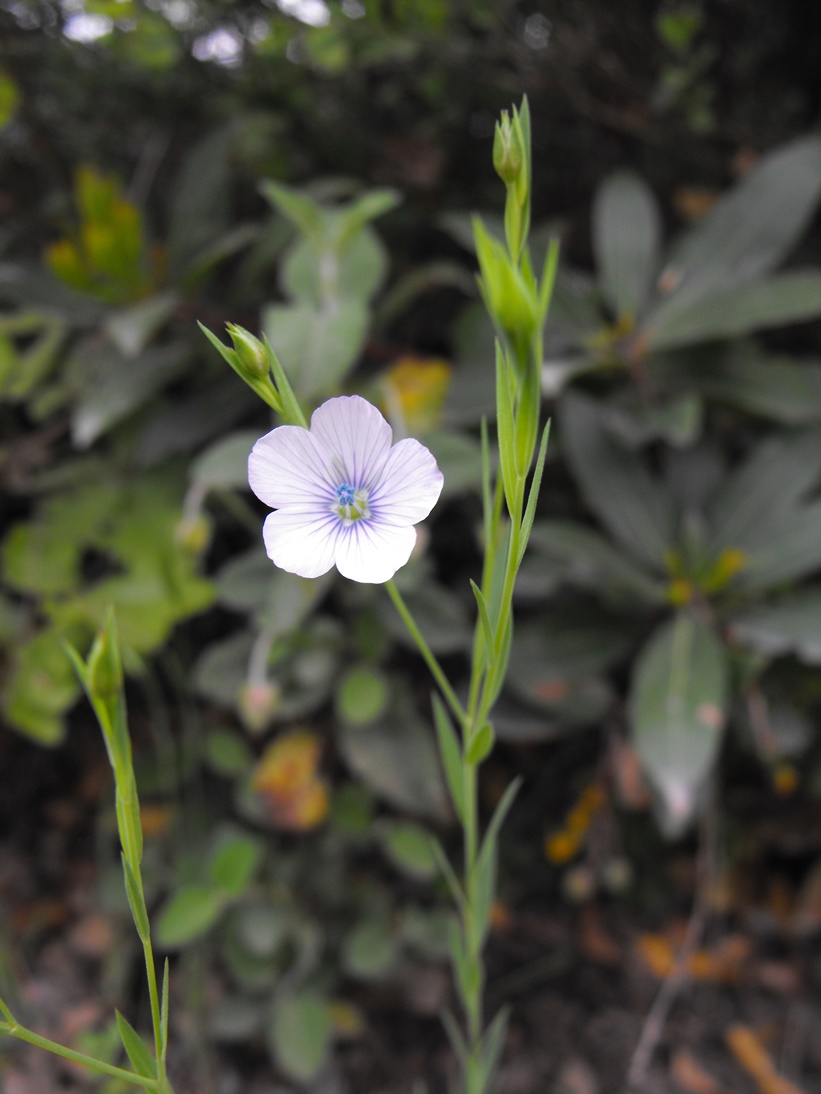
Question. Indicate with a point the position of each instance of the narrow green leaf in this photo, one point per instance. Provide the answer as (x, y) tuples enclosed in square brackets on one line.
[(547, 282), (492, 1044), (456, 1038), (141, 1057), (136, 901), (448, 873), (484, 619), (678, 702), (533, 496), (504, 425), (485, 868), (480, 747), (164, 1012), (291, 407), (450, 752)]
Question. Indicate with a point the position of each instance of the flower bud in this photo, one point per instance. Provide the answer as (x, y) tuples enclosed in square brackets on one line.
[(257, 704), (249, 350), (508, 154), (105, 671)]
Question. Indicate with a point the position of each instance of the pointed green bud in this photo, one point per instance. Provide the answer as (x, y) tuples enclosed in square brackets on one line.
[(249, 350), (105, 670), (508, 153)]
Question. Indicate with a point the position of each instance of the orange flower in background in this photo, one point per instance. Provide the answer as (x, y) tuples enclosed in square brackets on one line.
[(286, 778), (415, 390)]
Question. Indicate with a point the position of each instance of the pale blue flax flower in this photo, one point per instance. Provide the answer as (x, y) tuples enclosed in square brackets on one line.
[(343, 494)]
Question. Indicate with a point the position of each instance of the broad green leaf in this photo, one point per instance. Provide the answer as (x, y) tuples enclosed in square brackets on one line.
[(132, 328), (224, 464), (317, 347), (233, 864), (752, 228), (353, 218), (632, 504), (784, 551), (200, 201), (226, 752), (626, 236), (397, 759), (39, 687), (480, 745), (784, 389), (357, 273), (409, 847), (261, 928), (678, 699), (753, 503), (299, 1033), (362, 695), (779, 300), (789, 625), (115, 387), (592, 562), (369, 951), (188, 913), (141, 1057)]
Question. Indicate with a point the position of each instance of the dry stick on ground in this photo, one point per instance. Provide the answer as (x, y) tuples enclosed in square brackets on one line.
[(656, 1019)]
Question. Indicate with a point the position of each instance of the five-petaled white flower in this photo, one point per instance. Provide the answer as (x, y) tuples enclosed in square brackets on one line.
[(342, 494)]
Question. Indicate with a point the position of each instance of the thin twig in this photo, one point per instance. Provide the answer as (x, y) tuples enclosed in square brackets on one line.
[(672, 985)]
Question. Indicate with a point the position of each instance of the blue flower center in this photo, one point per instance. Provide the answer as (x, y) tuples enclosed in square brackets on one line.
[(350, 504)]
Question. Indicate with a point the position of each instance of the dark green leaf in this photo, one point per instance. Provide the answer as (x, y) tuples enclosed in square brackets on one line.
[(618, 487), (678, 698), (789, 625), (626, 236), (299, 1033)]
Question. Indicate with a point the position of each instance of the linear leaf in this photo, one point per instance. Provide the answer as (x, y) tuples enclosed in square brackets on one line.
[(451, 753), (141, 1057)]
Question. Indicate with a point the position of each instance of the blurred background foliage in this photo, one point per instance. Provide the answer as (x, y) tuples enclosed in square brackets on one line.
[(307, 168)]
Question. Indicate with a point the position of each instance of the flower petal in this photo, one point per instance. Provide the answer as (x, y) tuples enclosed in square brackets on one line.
[(356, 437), (288, 467), (302, 542), (371, 552), (409, 486)]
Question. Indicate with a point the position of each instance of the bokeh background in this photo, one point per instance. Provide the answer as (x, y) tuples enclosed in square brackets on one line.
[(179, 161)]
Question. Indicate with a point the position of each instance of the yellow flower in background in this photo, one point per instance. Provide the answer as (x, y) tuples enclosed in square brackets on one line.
[(286, 778), (414, 389)]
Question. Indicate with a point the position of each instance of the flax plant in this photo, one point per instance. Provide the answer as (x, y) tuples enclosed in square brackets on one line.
[(102, 678), (343, 496)]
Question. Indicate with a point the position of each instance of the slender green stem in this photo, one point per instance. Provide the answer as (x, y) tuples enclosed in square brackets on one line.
[(151, 973), (13, 1029), (427, 653)]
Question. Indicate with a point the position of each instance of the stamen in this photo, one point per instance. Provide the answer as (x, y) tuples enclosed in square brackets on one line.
[(351, 504)]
